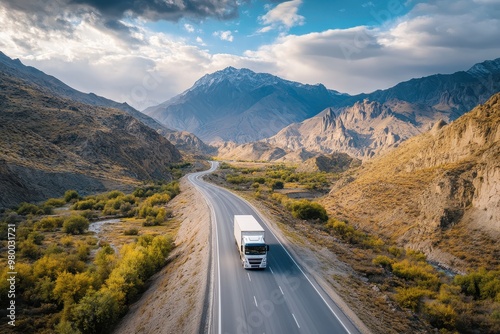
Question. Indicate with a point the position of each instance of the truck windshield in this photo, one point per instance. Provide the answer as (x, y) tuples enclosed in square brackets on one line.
[(255, 249)]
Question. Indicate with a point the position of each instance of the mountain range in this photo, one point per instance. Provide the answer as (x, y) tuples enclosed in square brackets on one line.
[(366, 125), (242, 106), (51, 142)]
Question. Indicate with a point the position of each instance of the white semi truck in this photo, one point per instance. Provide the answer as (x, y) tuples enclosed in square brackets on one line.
[(250, 239)]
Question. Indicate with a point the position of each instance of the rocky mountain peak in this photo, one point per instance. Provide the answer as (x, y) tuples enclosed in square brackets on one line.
[(485, 68), (230, 104), (328, 119), (236, 77)]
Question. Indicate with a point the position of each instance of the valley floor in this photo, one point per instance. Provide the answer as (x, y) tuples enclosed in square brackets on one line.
[(175, 300)]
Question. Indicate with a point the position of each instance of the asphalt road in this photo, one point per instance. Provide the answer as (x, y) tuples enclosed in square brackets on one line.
[(279, 299)]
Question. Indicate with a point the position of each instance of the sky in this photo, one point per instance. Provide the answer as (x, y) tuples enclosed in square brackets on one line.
[(144, 52)]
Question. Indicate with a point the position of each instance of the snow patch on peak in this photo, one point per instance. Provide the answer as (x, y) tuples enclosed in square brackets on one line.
[(485, 68)]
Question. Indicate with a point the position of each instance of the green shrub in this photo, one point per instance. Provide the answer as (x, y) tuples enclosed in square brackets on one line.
[(112, 206), (97, 311), (384, 261), (396, 251), (55, 202), (28, 208), (416, 255), (28, 248), (49, 223), (71, 195), (236, 179), (72, 287), (347, 232), (259, 180), (440, 315), (75, 225), (480, 284), (307, 210), (277, 185), (422, 273), (158, 199), (411, 297), (224, 165), (114, 194), (87, 204), (132, 231)]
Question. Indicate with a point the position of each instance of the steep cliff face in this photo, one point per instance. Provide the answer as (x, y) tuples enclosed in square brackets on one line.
[(438, 192)]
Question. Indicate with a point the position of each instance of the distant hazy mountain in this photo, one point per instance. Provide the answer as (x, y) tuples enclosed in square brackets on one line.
[(49, 144), (242, 106), (56, 87), (368, 124), (438, 192)]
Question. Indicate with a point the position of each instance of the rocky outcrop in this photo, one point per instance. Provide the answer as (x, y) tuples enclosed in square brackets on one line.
[(367, 125), (257, 151), (363, 131)]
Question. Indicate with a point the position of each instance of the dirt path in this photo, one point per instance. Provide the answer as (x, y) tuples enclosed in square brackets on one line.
[(175, 300)]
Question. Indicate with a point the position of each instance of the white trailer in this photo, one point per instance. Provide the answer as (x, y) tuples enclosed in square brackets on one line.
[(250, 239)]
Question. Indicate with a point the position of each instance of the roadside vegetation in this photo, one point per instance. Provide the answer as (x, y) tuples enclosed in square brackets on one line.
[(410, 286), (70, 281)]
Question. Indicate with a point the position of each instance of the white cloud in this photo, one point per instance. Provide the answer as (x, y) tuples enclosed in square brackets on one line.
[(188, 27), (283, 16), (224, 35), (444, 37)]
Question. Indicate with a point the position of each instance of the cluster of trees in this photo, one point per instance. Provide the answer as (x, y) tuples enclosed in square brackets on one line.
[(94, 300), (145, 202), (73, 283), (460, 303), (275, 177)]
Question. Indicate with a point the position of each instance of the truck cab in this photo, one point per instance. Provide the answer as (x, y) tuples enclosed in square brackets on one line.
[(250, 240)]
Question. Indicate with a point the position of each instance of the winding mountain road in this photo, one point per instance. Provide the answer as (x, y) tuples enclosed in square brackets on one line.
[(280, 299)]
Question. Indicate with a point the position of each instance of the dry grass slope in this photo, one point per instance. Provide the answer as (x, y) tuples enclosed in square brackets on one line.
[(49, 144), (438, 192)]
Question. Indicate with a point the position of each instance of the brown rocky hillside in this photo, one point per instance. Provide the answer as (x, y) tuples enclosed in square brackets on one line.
[(50, 144), (438, 192)]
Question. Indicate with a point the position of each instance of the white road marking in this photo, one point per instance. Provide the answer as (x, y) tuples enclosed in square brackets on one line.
[(293, 315), (297, 265), (255, 299), (272, 272), (249, 277), (281, 290)]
